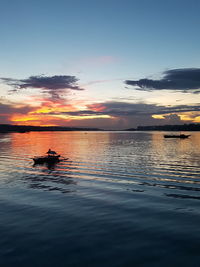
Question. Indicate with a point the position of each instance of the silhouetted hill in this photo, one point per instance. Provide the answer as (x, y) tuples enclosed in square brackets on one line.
[(25, 128), (183, 127)]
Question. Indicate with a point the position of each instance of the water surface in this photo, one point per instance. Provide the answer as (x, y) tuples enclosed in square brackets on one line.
[(121, 199)]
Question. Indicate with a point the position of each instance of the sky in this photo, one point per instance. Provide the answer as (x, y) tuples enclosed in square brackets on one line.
[(110, 64)]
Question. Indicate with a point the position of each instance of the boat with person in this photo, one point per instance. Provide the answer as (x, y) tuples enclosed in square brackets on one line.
[(182, 136), (51, 158)]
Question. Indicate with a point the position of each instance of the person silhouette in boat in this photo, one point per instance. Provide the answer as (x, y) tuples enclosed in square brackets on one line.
[(51, 153)]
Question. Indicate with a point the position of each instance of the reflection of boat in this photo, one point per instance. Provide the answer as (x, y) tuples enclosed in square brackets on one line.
[(51, 158), (176, 136)]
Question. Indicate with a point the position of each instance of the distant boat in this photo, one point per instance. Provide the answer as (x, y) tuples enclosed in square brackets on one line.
[(23, 131), (51, 158), (183, 136)]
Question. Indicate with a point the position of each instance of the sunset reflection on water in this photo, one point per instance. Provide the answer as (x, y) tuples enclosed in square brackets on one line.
[(130, 191)]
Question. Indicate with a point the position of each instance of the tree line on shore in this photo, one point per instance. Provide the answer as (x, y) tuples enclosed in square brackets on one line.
[(26, 128), (4, 128), (182, 127)]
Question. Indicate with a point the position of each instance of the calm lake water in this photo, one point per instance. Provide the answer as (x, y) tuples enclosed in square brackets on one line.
[(121, 199)]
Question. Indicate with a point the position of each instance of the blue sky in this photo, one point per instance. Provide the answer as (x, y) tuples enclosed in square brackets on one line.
[(102, 43)]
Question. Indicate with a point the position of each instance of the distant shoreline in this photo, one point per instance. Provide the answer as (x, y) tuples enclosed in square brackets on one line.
[(171, 128), (9, 128)]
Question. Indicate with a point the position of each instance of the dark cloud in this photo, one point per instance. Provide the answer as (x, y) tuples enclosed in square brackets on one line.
[(11, 109), (54, 85), (128, 115), (172, 119), (129, 109), (184, 80), (122, 109), (45, 82), (7, 110)]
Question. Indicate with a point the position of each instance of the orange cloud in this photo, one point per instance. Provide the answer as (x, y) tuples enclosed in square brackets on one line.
[(97, 107)]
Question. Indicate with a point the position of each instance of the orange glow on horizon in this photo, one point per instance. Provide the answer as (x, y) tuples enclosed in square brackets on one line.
[(189, 116), (43, 119), (158, 117)]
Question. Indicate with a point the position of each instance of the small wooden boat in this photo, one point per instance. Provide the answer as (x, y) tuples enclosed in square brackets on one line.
[(51, 158), (177, 136)]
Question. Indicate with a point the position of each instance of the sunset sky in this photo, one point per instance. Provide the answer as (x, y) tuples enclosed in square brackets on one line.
[(111, 64)]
